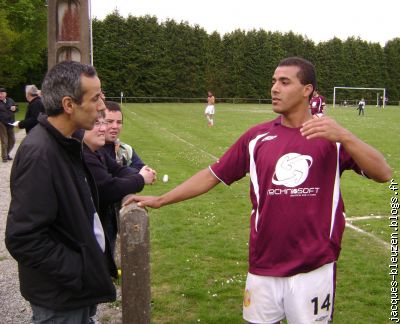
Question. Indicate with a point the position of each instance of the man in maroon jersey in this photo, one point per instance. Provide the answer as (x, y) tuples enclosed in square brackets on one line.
[(317, 103), (295, 162)]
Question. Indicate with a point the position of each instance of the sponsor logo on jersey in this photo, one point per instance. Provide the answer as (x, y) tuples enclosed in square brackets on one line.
[(291, 171), (269, 138)]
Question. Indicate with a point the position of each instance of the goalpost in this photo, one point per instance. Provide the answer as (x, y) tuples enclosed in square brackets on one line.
[(354, 88)]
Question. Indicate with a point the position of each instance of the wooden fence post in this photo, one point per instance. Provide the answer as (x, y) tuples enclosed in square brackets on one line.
[(135, 264)]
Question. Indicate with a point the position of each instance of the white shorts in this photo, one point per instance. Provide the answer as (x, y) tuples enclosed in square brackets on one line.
[(210, 110), (302, 299)]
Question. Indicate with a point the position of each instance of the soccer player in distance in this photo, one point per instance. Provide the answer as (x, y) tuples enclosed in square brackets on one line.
[(210, 109), (317, 103), (297, 220)]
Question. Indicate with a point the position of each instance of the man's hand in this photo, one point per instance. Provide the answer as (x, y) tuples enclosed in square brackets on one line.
[(148, 174), (368, 159), (324, 127), (143, 201)]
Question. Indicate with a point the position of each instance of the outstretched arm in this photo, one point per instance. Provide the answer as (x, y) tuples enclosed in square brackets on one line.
[(370, 160), (198, 184)]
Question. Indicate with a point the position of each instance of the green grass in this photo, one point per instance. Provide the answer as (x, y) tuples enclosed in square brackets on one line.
[(199, 247), (378, 227), (20, 114)]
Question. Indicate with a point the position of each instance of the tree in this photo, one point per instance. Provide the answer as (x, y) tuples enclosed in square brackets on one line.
[(392, 53), (22, 42), (142, 57), (214, 77)]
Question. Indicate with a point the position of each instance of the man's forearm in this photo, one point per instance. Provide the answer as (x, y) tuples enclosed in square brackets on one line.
[(198, 184), (370, 160)]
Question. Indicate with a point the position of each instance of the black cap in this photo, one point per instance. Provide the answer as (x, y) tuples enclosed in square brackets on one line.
[(3, 89)]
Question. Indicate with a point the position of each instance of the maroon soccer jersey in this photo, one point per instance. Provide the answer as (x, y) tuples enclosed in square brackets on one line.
[(316, 105), (297, 219)]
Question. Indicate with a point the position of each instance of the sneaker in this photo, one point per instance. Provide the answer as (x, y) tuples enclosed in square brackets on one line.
[(9, 158)]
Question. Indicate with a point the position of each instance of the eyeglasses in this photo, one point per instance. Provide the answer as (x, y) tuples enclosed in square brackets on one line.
[(100, 123)]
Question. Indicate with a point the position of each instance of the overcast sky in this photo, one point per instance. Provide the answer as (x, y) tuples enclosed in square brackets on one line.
[(319, 20)]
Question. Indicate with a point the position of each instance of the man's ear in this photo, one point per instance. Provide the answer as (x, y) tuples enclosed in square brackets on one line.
[(68, 104), (308, 90)]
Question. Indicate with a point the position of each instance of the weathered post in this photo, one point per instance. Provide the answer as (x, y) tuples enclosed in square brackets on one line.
[(68, 34), (135, 264)]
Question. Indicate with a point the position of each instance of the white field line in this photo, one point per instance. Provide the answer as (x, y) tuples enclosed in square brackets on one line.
[(361, 231), (365, 217), (180, 139), (246, 111), (357, 229), (192, 145)]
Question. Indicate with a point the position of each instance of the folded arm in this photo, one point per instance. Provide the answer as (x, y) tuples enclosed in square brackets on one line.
[(370, 160)]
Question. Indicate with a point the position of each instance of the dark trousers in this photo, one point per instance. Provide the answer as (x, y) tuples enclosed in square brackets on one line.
[(41, 315), (7, 138)]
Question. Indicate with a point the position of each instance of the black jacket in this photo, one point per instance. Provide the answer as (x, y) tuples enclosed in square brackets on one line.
[(113, 182), (35, 107), (6, 114), (50, 224)]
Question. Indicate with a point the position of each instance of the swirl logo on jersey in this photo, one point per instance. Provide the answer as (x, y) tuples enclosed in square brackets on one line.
[(291, 171)]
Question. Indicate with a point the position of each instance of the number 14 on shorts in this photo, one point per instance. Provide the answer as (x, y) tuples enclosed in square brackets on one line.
[(325, 306)]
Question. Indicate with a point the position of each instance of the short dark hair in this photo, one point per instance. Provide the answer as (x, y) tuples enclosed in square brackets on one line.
[(112, 106), (64, 79), (306, 75)]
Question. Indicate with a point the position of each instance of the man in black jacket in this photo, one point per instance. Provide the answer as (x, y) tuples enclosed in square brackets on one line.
[(53, 229), (34, 109), (7, 118)]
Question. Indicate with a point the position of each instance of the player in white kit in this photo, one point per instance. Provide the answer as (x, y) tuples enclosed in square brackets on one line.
[(295, 162), (210, 109)]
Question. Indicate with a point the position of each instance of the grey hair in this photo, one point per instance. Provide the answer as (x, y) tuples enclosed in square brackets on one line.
[(32, 90), (64, 79)]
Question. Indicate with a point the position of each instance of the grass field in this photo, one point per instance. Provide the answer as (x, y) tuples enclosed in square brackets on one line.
[(199, 247)]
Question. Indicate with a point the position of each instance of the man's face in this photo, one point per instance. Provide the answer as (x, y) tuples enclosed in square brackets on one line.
[(287, 92), (114, 125), (85, 114), (3, 95), (95, 138)]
